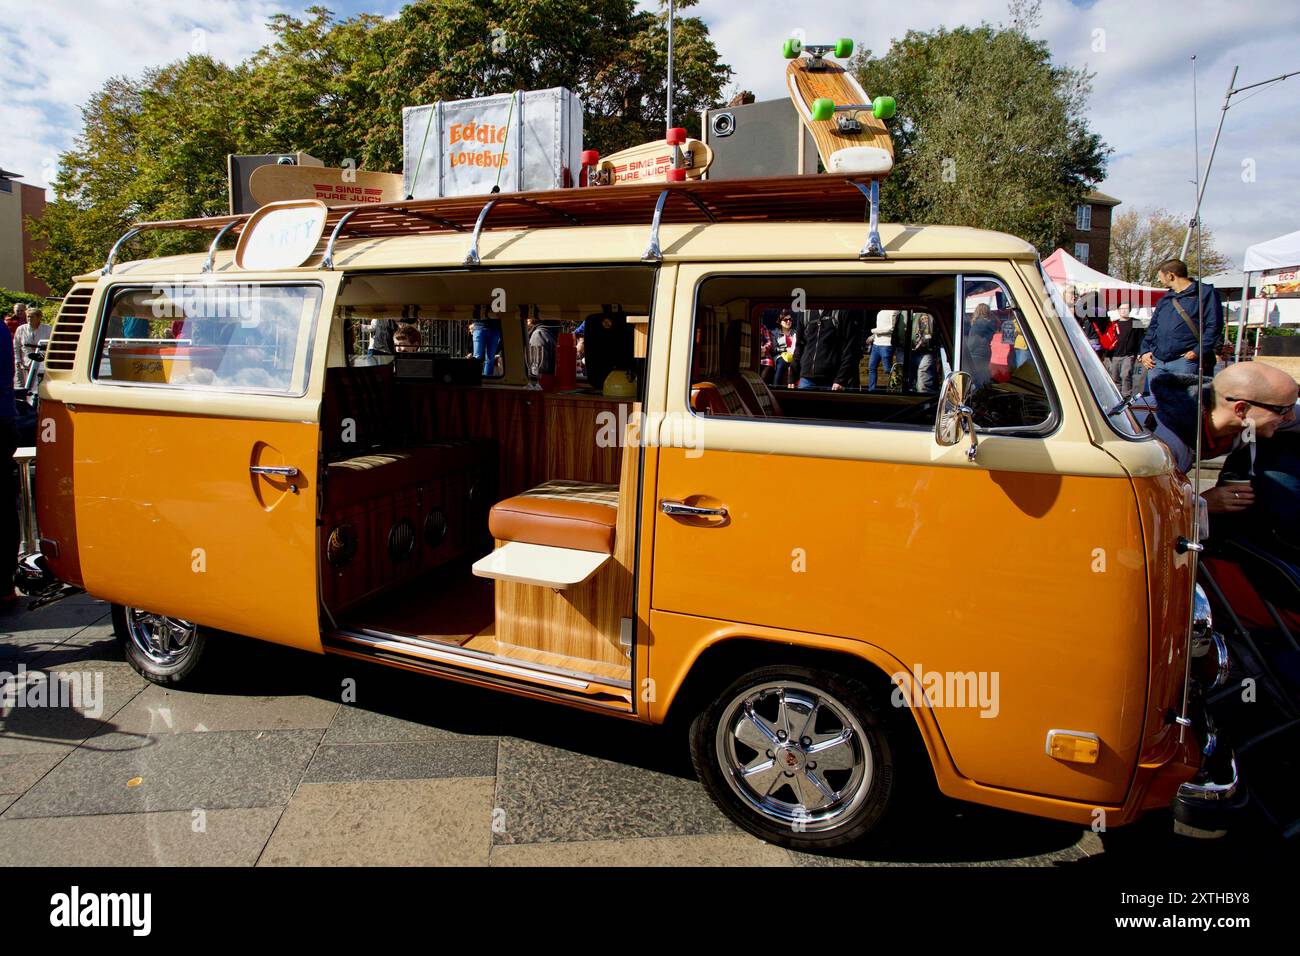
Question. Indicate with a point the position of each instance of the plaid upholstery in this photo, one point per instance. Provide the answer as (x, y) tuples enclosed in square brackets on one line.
[(718, 398), (757, 396), (587, 492), (367, 397)]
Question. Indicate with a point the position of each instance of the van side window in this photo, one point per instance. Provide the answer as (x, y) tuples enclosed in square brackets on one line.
[(1008, 390), (834, 348), (240, 337)]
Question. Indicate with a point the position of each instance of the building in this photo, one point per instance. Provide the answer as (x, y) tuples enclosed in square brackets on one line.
[(1090, 237), (18, 247)]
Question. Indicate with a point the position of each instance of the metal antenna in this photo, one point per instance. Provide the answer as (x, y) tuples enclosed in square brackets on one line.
[(671, 16)]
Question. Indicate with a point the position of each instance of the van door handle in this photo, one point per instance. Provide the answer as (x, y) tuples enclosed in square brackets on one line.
[(279, 471), (690, 511)]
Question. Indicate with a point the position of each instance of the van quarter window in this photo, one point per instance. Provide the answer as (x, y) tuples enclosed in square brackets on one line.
[(869, 350), (228, 336)]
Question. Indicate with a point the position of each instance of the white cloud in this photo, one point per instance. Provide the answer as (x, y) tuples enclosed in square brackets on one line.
[(1142, 92), (57, 53)]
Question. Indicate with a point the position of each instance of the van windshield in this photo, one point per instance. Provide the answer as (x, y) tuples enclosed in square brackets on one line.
[(228, 336), (1103, 388)]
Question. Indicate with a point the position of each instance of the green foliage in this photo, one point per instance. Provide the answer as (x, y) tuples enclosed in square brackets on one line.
[(155, 146), (8, 298), (1274, 330), (988, 132)]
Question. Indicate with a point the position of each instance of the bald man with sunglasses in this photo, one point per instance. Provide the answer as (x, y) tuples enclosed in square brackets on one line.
[(1245, 402)]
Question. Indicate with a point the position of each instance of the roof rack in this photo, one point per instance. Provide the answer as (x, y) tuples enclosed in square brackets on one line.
[(813, 198)]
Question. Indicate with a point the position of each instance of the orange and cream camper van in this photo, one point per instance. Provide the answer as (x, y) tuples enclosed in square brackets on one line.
[(969, 568)]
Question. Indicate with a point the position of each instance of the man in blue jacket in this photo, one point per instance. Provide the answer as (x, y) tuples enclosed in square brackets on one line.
[(8, 472), (1170, 344)]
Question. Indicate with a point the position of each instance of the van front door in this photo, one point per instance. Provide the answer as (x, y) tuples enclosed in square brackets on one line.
[(828, 511), (193, 414)]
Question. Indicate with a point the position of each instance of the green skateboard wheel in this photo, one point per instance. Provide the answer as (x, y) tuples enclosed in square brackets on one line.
[(843, 47), (823, 108), (883, 107), (793, 47)]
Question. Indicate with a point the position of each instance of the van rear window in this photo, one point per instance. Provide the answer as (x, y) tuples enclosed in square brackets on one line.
[(225, 336)]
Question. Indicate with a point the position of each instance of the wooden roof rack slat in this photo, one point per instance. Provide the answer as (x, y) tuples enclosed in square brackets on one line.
[(824, 197)]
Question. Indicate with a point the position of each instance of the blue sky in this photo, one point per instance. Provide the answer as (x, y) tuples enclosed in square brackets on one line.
[(58, 52)]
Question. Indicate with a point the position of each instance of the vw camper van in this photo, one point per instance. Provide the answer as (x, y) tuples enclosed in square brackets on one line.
[(974, 574)]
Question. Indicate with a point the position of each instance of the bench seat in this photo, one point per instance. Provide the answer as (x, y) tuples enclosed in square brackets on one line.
[(578, 515)]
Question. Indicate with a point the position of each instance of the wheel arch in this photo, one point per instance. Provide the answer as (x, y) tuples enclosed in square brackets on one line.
[(718, 662)]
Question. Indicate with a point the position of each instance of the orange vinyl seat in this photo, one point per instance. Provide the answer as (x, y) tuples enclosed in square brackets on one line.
[(579, 515)]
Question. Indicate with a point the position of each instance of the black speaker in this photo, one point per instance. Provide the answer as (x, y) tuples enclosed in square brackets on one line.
[(607, 342)]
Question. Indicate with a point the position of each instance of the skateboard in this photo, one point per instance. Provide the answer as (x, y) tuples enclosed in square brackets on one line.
[(328, 184), (649, 162), (847, 126)]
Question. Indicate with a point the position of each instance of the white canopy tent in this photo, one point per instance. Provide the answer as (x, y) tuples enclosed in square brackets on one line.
[(1280, 256), (1280, 253)]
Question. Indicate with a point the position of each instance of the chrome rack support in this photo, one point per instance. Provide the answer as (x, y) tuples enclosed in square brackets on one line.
[(471, 257), (112, 253), (652, 252), (212, 249), (874, 249), (328, 261)]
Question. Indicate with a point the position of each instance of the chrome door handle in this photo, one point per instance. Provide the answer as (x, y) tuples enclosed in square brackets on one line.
[(279, 471), (690, 511)]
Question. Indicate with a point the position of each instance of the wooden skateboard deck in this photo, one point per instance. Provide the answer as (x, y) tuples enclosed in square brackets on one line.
[(650, 162), (871, 150), (273, 183)]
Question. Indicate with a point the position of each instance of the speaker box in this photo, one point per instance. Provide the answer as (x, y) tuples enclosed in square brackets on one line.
[(239, 168), (758, 139)]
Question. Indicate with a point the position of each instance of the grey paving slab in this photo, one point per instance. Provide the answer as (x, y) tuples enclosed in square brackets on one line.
[(385, 823), (102, 688), (448, 756), (7, 799), (409, 721), (554, 795), (26, 635), (709, 850), (176, 772), (19, 772), (178, 838), (949, 833), (162, 710)]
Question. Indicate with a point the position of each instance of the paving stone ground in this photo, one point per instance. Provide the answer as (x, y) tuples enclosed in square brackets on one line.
[(263, 765)]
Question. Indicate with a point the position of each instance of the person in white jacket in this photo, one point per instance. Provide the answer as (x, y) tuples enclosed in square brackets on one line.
[(882, 346)]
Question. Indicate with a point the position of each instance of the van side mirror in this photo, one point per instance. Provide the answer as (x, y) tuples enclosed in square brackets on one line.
[(954, 417)]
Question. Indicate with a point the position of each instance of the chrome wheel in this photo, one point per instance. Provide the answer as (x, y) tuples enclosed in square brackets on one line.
[(164, 641), (795, 754)]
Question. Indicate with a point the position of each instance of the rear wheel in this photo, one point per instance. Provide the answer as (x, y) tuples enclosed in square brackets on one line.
[(797, 756), (823, 108), (165, 650)]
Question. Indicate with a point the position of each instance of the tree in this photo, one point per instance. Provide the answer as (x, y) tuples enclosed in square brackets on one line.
[(155, 146), (1141, 239), (988, 132)]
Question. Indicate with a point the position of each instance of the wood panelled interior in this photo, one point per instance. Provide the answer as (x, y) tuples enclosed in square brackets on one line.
[(540, 435), (582, 622), (374, 570)]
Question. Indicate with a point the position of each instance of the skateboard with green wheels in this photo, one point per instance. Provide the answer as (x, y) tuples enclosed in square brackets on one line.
[(847, 125)]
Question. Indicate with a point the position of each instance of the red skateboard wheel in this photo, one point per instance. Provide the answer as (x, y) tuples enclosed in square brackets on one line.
[(677, 175), (590, 157), (676, 136)]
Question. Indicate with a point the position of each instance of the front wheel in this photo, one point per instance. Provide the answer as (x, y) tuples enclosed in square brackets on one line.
[(798, 757), (165, 650)]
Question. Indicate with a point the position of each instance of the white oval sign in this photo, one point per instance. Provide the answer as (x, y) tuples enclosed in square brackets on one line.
[(281, 235)]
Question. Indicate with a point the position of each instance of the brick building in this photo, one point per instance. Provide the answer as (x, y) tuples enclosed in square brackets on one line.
[(1090, 237), (18, 201)]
